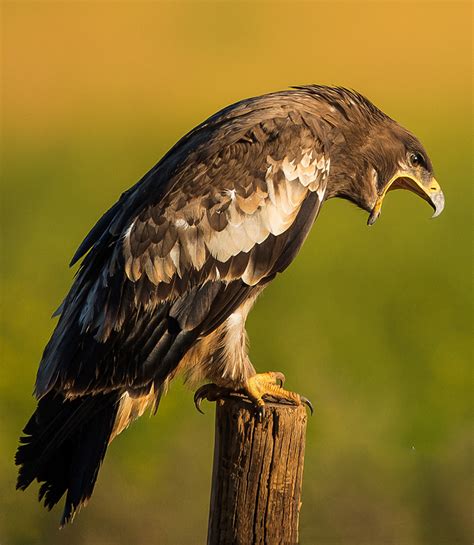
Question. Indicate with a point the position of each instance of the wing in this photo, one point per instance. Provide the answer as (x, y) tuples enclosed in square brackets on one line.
[(180, 251)]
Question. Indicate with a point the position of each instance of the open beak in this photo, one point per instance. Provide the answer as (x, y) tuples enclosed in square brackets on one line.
[(428, 190)]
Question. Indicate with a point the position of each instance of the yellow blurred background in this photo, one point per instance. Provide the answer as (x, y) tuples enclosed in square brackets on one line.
[(373, 324)]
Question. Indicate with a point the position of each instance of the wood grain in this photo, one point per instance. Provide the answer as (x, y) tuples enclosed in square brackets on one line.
[(257, 474)]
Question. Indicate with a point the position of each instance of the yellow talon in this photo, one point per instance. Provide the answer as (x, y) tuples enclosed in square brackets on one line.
[(255, 388)]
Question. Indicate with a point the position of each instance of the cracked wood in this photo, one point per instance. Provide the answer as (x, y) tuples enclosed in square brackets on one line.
[(257, 475)]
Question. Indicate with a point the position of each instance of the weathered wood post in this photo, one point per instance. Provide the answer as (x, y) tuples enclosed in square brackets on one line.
[(257, 474)]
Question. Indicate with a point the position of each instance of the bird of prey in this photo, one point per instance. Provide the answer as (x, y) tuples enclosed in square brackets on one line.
[(171, 271)]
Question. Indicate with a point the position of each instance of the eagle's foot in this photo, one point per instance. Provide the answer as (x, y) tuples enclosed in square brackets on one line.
[(263, 387), (258, 388)]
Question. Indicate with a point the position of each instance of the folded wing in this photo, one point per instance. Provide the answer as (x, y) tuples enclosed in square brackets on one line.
[(172, 260)]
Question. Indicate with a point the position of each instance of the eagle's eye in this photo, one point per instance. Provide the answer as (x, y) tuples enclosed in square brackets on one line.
[(417, 159)]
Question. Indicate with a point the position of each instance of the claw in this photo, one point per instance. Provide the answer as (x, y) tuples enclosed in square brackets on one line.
[(308, 403), (199, 395), (260, 413), (211, 392), (280, 377)]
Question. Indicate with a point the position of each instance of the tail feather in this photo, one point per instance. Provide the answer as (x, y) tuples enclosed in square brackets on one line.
[(63, 447)]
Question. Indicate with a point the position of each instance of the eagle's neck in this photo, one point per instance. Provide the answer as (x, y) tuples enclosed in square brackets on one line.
[(353, 175)]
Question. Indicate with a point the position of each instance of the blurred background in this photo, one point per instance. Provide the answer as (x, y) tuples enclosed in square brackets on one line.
[(373, 325)]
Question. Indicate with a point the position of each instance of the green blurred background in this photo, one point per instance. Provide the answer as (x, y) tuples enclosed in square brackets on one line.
[(372, 324)]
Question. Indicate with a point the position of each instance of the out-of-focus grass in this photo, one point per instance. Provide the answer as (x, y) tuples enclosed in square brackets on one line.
[(372, 324)]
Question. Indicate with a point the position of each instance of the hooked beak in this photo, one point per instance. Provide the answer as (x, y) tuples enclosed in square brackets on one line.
[(428, 190)]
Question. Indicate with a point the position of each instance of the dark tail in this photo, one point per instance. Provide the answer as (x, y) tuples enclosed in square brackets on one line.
[(63, 446)]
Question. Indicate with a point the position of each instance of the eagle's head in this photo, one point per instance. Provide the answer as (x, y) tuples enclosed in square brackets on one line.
[(371, 154), (397, 160)]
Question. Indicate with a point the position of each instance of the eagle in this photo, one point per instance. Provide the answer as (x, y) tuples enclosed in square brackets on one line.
[(170, 272)]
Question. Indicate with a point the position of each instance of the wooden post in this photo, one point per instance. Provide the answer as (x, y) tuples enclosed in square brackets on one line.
[(257, 474)]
